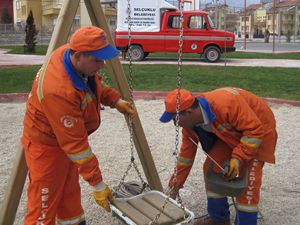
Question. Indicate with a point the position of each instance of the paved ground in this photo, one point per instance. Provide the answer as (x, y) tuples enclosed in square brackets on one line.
[(260, 46), (9, 60)]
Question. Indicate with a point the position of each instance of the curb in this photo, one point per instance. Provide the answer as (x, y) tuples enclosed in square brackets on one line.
[(145, 95)]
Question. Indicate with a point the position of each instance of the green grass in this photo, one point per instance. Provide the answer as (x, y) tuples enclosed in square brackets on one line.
[(265, 82), (39, 50), (235, 55), (42, 49)]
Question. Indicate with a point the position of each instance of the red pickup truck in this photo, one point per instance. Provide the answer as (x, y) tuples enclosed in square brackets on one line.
[(199, 36)]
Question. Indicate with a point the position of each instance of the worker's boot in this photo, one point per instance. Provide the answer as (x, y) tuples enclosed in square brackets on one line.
[(206, 220)]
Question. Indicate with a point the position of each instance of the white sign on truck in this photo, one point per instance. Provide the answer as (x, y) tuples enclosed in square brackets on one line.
[(145, 14)]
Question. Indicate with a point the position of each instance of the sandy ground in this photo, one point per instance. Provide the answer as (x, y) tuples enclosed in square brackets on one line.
[(280, 202)]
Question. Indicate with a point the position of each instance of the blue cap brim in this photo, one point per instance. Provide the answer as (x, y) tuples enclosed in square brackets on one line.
[(167, 117), (107, 53)]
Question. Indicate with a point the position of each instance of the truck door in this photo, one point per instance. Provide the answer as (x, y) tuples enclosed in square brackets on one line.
[(197, 33), (171, 33)]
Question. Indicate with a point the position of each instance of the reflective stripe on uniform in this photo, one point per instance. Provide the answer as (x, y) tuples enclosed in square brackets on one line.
[(82, 156), (72, 221), (41, 81), (251, 142), (210, 194), (88, 98), (231, 90), (185, 161), (247, 208), (103, 86)]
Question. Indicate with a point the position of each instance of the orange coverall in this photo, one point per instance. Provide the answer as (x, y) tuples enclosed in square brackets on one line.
[(61, 111), (245, 129)]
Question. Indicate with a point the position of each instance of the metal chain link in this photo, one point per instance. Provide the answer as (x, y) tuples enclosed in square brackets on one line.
[(179, 77), (130, 83)]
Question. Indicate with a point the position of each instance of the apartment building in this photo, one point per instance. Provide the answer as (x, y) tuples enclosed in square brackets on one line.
[(224, 18)]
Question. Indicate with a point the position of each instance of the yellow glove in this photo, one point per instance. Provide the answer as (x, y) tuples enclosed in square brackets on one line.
[(234, 168), (126, 108), (103, 195)]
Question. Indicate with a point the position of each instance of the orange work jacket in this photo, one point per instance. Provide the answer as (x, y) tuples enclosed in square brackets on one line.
[(243, 121), (62, 110)]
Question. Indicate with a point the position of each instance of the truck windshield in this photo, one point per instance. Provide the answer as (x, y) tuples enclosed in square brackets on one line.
[(211, 23)]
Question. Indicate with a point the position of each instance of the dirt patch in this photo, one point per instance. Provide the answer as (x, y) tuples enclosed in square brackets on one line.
[(280, 190)]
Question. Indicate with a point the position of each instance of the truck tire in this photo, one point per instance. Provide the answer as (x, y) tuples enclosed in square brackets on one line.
[(212, 54), (137, 53)]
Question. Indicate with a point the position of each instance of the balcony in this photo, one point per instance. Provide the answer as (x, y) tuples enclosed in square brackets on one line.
[(51, 8), (287, 22)]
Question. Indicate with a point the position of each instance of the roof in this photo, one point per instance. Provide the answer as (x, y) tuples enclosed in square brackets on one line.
[(254, 6)]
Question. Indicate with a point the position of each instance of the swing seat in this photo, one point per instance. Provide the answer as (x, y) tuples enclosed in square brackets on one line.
[(215, 182), (143, 208)]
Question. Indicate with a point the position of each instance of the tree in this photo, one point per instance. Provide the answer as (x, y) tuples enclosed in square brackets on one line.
[(5, 18), (31, 33)]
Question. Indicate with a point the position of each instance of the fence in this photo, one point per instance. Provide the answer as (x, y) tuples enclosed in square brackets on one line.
[(11, 34)]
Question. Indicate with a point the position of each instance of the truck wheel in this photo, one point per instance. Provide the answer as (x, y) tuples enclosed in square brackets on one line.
[(212, 54), (137, 53)]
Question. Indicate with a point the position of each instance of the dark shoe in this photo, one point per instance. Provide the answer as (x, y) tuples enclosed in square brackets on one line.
[(206, 220)]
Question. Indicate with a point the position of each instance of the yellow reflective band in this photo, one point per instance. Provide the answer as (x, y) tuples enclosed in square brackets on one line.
[(210, 194), (221, 128), (41, 82), (185, 162), (103, 86), (88, 98), (81, 157), (251, 142), (247, 208), (231, 90), (73, 221)]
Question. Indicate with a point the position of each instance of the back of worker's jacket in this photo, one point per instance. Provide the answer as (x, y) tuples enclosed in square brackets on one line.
[(242, 120), (63, 109)]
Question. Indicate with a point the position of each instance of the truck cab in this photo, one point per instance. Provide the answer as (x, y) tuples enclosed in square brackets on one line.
[(199, 36)]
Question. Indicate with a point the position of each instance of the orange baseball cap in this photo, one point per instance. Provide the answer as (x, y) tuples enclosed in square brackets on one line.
[(93, 40), (186, 100)]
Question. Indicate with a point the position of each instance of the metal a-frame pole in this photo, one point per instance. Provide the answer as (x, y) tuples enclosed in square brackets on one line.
[(59, 37), (119, 80)]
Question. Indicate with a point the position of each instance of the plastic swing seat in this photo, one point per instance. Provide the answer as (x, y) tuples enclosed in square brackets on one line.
[(143, 208)]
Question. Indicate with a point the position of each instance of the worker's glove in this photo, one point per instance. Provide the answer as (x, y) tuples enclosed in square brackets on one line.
[(172, 192), (103, 195), (126, 108), (234, 168)]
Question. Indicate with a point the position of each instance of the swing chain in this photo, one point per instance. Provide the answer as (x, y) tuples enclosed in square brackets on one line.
[(130, 81), (130, 77), (179, 77)]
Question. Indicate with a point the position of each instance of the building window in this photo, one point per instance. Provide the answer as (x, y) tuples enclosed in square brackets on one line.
[(269, 17), (112, 22), (18, 4), (76, 20), (24, 10)]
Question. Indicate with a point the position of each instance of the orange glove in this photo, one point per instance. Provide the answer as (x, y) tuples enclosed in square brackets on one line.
[(126, 108), (103, 195), (234, 168)]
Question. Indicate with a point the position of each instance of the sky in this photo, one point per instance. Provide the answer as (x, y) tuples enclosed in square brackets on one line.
[(234, 3), (231, 3)]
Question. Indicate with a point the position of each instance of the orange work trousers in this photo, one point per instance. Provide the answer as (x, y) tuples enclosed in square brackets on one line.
[(221, 152), (54, 192)]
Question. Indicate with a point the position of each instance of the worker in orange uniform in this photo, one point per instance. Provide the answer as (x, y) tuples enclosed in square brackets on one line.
[(63, 109), (230, 124)]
